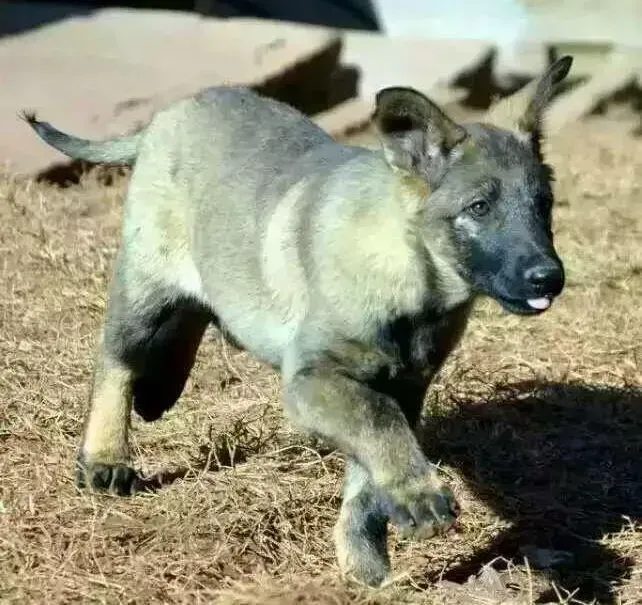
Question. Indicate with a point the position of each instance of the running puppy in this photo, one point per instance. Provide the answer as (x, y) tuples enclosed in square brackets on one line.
[(349, 270)]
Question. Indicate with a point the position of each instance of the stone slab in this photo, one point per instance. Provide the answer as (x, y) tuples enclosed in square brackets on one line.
[(354, 115), (105, 74), (618, 71), (422, 64)]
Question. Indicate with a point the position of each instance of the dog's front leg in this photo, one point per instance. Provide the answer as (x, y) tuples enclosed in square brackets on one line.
[(361, 531), (388, 476)]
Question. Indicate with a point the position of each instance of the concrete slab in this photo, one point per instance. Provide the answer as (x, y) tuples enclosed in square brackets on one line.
[(354, 115), (104, 75), (511, 22), (422, 64), (519, 62), (616, 73), (347, 117)]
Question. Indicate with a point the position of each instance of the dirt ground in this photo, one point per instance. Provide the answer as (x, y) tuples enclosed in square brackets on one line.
[(537, 423)]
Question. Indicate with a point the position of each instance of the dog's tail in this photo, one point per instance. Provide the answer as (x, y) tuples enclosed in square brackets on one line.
[(122, 150)]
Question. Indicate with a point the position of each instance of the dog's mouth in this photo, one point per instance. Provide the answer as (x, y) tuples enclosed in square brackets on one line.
[(528, 306)]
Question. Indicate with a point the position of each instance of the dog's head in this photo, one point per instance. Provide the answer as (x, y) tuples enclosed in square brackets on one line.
[(488, 214)]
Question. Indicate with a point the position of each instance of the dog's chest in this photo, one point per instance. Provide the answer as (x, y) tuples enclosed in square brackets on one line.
[(421, 343)]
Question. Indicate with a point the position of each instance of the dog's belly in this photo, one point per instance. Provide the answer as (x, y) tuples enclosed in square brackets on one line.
[(260, 330), (253, 315)]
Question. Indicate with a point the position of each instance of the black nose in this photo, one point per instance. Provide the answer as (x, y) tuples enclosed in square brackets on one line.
[(545, 278)]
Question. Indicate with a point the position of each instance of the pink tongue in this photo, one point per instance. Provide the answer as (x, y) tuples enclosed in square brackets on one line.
[(539, 303)]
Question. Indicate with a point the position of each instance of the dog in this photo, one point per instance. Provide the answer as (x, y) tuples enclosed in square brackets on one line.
[(351, 271)]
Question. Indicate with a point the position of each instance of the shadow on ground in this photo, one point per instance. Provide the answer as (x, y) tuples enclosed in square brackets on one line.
[(562, 462), (248, 436)]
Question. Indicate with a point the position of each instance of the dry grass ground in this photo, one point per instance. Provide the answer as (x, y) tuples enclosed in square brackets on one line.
[(537, 422)]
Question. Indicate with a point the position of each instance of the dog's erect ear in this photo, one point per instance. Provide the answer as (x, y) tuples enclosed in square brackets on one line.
[(415, 133), (530, 121), (523, 112)]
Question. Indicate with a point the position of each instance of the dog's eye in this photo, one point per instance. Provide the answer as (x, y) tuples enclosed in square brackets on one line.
[(479, 207)]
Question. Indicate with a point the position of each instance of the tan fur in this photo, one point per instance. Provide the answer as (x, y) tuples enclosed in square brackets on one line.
[(282, 267), (508, 113), (107, 423)]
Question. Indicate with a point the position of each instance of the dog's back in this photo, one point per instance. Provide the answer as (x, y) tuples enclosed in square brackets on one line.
[(222, 176)]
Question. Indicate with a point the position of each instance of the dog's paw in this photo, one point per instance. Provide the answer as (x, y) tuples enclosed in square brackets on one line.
[(361, 546), (117, 478), (420, 507)]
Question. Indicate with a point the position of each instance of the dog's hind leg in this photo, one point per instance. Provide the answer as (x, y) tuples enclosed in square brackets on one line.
[(168, 359), (104, 453), (147, 348), (144, 357)]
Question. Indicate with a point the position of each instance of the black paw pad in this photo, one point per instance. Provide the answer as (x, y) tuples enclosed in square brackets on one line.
[(118, 479)]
